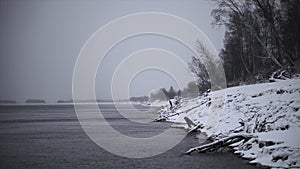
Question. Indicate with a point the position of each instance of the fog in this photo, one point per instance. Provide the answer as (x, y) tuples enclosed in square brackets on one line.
[(40, 42)]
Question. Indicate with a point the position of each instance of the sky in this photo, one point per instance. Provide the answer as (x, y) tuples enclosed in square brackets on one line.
[(41, 40)]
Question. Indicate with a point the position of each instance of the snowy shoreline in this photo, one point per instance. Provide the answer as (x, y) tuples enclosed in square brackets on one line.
[(269, 111)]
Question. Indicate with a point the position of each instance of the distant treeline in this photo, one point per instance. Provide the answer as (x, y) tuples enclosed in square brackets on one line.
[(164, 94), (8, 101), (191, 90), (35, 101), (139, 99), (65, 101)]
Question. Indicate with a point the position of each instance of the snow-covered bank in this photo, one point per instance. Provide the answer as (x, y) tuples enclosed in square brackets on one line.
[(269, 111)]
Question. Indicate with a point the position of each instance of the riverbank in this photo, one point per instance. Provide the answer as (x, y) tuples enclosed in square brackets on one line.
[(270, 112)]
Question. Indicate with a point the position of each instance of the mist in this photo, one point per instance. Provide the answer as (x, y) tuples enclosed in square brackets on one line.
[(40, 42)]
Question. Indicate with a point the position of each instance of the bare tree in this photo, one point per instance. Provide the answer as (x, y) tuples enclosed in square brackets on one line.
[(260, 36)]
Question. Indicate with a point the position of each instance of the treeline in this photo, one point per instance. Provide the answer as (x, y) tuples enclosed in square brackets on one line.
[(8, 101), (164, 94), (139, 99), (262, 36), (35, 101), (191, 90)]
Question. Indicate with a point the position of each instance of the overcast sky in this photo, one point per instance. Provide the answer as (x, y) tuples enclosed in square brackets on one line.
[(41, 39)]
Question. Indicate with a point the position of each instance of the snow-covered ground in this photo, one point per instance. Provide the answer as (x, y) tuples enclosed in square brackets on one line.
[(269, 111)]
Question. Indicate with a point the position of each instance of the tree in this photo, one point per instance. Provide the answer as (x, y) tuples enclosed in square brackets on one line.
[(163, 94), (158, 95), (191, 90), (261, 36), (208, 69), (178, 93), (171, 93), (199, 71)]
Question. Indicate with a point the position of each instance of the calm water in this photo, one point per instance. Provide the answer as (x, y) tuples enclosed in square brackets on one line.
[(51, 137)]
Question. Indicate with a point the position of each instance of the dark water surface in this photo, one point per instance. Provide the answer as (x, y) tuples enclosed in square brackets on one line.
[(50, 136)]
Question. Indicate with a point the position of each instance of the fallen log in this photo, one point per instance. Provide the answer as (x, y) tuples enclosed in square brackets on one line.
[(192, 126), (164, 118), (195, 128), (221, 143)]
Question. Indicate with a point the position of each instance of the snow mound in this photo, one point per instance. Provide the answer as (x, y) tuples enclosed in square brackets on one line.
[(270, 111)]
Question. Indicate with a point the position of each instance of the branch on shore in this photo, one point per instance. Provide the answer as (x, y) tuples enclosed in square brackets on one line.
[(234, 138), (164, 118), (192, 126)]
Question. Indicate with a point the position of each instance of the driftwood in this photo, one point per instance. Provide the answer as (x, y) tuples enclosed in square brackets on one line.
[(192, 126), (279, 75), (226, 141), (164, 118)]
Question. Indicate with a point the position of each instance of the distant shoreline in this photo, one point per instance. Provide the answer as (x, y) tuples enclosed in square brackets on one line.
[(66, 104)]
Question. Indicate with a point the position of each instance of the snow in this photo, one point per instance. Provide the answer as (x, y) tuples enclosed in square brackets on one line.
[(269, 111), (290, 137)]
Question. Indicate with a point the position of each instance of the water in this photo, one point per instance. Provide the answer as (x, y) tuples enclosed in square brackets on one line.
[(51, 137)]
